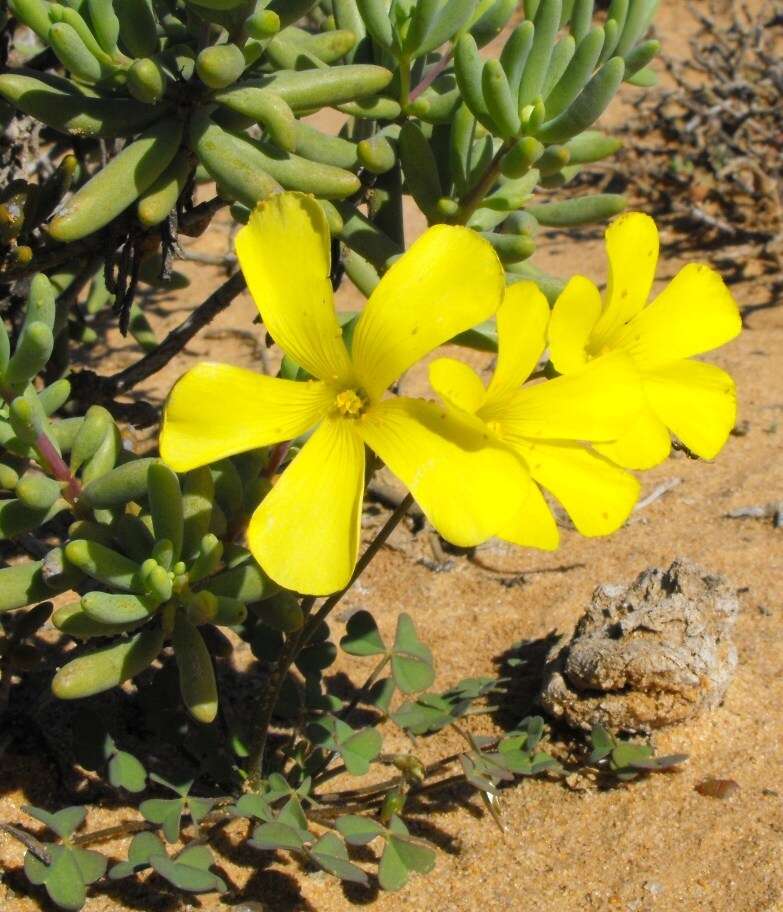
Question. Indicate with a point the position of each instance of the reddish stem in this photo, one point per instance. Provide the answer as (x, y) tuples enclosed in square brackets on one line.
[(276, 458), (431, 75), (54, 462)]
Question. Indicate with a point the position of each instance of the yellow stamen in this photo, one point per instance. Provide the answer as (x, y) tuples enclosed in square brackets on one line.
[(495, 427), (350, 403)]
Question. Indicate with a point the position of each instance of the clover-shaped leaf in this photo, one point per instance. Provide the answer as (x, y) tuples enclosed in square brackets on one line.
[(602, 742), (166, 812), (64, 882), (429, 713), (188, 877), (125, 771), (625, 756), (316, 699), (315, 657), (330, 853), (252, 805), (362, 637), (143, 846), (35, 870), (358, 830), (381, 693), (534, 726), (411, 663), (276, 835), (64, 823), (401, 855), (92, 865), (471, 689), (65, 878), (199, 807), (292, 815), (357, 748)]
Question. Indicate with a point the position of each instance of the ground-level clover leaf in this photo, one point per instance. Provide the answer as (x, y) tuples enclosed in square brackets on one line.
[(362, 637), (402, 855), (63, 823), (187, 877), (358, 830), (330, 853), (412, 664)]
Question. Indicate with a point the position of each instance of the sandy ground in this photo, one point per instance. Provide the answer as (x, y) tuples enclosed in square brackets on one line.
[(655, 846)]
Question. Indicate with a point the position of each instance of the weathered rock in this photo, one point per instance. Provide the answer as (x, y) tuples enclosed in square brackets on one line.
[(645, 656)]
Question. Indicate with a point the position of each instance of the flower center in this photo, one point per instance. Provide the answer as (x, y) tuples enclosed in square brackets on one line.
[(495, 427), (350, 403)]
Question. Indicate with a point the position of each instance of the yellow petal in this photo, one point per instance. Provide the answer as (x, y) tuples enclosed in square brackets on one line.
[(284, 251), (597, 494), (596, 403), (216, 410), (696, 401), (573, 317), (466, 482), (448, 281), (534, 526), (522, 320), (645, 444), (632, 247), (305, 533), (693, 314), (457, 384)]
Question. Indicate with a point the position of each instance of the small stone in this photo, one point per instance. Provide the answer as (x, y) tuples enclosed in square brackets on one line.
[(717, 788), (648, 655)]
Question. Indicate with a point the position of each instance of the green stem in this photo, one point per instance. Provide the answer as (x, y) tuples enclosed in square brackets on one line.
[(256, 764), (346, 713), (266, 707), (473, 198), (405, 82), (366, 687)]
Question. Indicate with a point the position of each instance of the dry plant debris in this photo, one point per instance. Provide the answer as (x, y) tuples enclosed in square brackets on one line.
[(704, 155)]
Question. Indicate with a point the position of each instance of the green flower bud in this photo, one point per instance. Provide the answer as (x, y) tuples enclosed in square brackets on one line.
[(220, 65)]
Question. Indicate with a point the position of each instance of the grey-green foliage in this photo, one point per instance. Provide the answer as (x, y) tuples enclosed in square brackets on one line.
[(626, 760), (150, 552), (465, 130)]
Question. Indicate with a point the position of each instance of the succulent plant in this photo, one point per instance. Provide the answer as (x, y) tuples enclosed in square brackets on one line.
[(222, 90)]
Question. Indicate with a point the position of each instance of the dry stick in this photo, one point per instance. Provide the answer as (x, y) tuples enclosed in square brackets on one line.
[(256, 760), (30, 842), (175, 341), (663, 488)]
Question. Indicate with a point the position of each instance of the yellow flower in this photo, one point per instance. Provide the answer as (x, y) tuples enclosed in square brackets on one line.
[(544, 423), (693, 314), (305, 533)]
